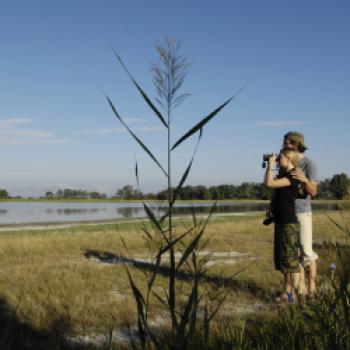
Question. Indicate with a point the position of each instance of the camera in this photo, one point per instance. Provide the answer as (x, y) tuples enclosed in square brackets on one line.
[(269, 218), (266, 159), (267, 156)]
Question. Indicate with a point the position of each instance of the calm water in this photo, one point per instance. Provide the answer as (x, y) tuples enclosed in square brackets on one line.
[(20, 213)]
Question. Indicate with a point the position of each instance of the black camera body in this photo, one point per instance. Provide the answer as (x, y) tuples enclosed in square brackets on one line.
[(269, 218), (266, 158)]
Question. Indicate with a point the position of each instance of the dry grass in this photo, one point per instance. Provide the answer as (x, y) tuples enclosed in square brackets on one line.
[(45, 277)]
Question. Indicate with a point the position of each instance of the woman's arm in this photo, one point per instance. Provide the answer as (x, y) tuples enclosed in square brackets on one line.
[(270, 181)]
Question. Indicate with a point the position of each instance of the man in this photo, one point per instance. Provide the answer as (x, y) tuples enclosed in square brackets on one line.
[(307, 175)]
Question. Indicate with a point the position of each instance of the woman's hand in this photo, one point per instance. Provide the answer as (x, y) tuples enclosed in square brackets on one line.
[(272, 160)]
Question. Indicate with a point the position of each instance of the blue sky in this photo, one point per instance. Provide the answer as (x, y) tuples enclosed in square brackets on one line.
[(57, 131)]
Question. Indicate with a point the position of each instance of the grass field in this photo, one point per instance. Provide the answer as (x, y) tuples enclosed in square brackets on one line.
[(54, 277)]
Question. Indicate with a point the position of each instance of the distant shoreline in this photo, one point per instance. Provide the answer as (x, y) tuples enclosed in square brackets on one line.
[(68, 224), (80, 200)]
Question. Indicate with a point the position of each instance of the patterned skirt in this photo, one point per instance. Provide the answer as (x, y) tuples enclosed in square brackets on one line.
[(287, 252)]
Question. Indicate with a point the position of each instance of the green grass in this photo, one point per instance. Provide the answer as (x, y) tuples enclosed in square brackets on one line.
[(45, 277)]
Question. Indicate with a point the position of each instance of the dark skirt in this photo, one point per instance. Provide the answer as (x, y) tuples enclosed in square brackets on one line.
[(287, 255)]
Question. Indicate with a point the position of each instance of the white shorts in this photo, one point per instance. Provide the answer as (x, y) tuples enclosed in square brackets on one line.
[(305, 227)]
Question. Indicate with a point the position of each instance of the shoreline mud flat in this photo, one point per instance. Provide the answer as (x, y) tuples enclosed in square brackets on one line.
[(68, 224)]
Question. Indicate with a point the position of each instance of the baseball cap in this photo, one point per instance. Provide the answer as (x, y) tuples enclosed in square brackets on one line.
[(297, 137)]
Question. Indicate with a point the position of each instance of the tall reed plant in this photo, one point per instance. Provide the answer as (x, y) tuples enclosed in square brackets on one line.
[(169, 73)]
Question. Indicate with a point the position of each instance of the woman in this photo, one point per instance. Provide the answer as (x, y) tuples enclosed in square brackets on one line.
[(287, 244)]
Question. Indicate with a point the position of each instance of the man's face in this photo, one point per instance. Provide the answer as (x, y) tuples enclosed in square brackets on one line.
[(287, 143)]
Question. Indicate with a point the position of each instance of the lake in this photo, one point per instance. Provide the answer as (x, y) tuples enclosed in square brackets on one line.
[(59, 212)]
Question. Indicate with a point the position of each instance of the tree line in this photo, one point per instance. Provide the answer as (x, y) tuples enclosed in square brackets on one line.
[(336, 187)]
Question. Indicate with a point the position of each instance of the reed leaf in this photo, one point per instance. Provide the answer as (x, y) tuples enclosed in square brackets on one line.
[(140, 303), (152, 217), (158, 297), (183, 178), (192, 246), (173, 242), (137, 177), (194, 312), (201, 124), (123, 242), (143, 94), (135, 137), (194, 217), (146, 232), (184, 320), (336, 224), (155, 272), (221, 301), (187, 171)]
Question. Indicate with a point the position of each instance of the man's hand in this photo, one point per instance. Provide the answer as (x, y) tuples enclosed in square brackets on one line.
[(310, 186), (299, 175)]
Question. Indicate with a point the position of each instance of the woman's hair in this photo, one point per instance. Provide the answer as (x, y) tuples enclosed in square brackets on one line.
[(292, 155)]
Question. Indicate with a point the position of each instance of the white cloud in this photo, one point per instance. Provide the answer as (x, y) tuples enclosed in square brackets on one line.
[(26, 133), (32, 141), (149, 128), (7, 123), (117, 130), (98, 131), (133, 120), (11, 134), (281, 123)]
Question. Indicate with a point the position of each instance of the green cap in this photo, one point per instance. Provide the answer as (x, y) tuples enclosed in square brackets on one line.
[(297, 137)]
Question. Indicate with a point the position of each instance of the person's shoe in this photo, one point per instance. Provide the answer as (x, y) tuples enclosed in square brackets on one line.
[(290, 298), (310, 298), (282, 298), (301, 297)]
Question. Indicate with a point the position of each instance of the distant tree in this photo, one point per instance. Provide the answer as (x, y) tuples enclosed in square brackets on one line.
[(263, 192), (72, 193), (67, 193), (201, 192), (247, 190), (150, 195), (128, 192), (3, 193), (163, 195), (324, 189), (227, 191), (339, 185), (94, 195), (187, 193), (215, 193), (97, 195), (49, 194)]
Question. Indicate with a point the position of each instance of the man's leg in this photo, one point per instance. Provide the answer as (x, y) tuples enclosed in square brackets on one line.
[(311, 271), (302, 286), (296, 282), (309, 257)]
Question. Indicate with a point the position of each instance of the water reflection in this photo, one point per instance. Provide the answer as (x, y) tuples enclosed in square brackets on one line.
[(73, 211), (130, 212), (25, 212), (137, 212)]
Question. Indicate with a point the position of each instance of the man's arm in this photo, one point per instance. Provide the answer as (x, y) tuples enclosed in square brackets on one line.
[(309, 186)]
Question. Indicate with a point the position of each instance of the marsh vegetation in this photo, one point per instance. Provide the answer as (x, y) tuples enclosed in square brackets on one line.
[(68, 287)]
